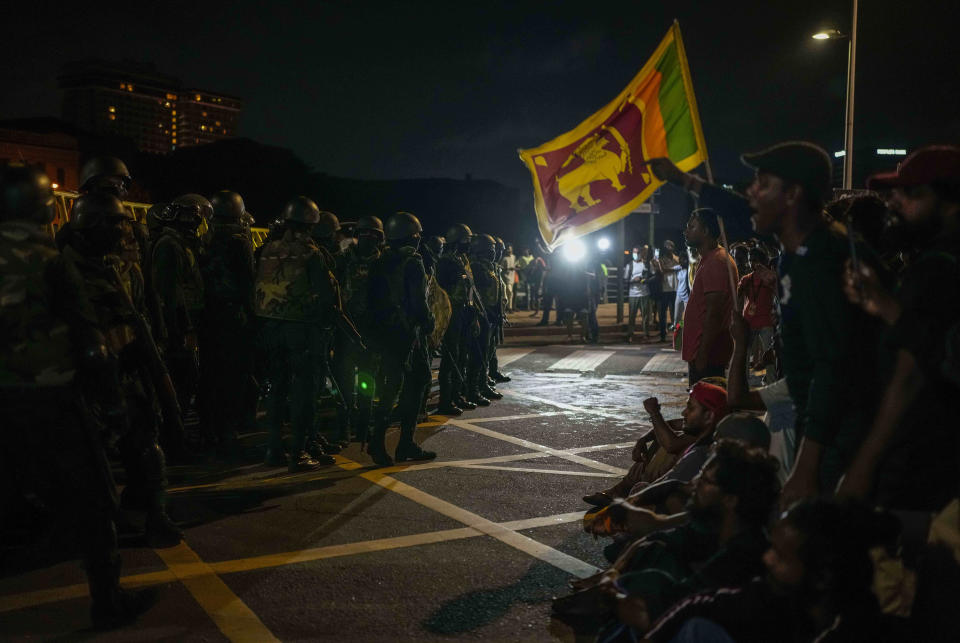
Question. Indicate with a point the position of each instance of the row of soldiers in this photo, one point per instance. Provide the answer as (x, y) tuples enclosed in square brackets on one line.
[(111, 331)]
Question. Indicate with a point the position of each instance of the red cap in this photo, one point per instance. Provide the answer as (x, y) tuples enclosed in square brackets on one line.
[(931, 164), (711, 396)]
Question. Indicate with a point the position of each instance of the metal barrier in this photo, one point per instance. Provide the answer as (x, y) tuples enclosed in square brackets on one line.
[(64, 204)]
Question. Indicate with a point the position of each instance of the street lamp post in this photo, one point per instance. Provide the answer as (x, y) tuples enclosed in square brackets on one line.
[(833, 34)]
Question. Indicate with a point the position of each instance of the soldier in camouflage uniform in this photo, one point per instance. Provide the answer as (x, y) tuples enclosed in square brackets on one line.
[(176, 277), (296, 294), (454, 276), (227, 366), (118, 300), (490, 290), (496, 377), (402, 322), (354, 369), (54, 366)]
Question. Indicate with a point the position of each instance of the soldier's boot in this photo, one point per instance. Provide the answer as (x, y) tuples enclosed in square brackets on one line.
[(161, 532), (407, 449), (322, 453), (474, 396), (112, 607), (377, 447), (464, 403), (490, 393), (499, 377), (304, 462), (448, 403), (325, 445)]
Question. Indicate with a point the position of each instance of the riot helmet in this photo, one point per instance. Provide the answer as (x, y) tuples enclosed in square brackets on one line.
[(105, 174), (26, 194), (370, 235), (186, 212), (301, 210), (327, 225), (227, 206), (435, 243), (404, 229), (101, 221), (458, 237), (483, 246)]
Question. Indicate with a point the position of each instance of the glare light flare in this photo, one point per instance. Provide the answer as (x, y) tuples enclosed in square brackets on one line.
[(574, 250), (839, 154), (603, 243), (821, 36), (885, 151)]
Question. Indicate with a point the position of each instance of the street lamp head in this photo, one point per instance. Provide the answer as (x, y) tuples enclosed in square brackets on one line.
[(829, 34)]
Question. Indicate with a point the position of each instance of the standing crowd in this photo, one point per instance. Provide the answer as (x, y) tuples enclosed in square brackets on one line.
[(823, 504)]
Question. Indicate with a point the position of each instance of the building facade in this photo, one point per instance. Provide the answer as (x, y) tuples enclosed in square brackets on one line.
[(154, 110), (55, 153)]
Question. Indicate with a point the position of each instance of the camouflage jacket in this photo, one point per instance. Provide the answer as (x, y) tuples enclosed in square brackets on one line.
[(489, 286), (43, 309), (295, 281), (398, 295), (353, 273), (228, 273), (456, 277), (176, 278)]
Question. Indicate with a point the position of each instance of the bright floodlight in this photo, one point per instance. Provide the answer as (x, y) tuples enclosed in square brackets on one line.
[(603, 243), (821, 36), (828, 34), (574, 250)]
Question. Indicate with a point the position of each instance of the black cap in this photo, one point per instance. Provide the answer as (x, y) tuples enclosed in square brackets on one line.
[(798, 162)]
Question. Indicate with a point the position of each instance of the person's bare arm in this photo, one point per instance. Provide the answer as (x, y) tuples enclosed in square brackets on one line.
[(739, 395), (665, 436)]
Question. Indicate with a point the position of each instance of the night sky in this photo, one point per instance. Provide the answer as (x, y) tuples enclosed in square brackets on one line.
[(414, 90)]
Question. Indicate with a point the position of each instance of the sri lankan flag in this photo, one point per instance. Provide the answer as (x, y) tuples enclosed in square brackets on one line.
[(596, 174)]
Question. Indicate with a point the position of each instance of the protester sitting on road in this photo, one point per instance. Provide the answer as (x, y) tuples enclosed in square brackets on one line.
[(722, 543), (816, 588), (682, 443)]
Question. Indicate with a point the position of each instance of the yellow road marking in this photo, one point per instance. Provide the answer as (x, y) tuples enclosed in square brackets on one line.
[(233, 617), (560, 453), (13, 602)]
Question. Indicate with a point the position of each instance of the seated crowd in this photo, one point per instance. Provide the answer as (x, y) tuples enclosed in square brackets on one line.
[(821, 505)]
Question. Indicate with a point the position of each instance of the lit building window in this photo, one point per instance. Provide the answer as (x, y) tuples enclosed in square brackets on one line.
[(204, 113), (173, 127), (166, 104), (113, 117), (203, 128), (197, 97), (174, 141), (111, 109), (218, 123), (123, 85), (173, 112), (129, 87), (172, 96)]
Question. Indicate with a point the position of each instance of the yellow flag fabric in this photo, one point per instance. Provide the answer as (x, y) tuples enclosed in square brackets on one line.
[(596, 174)]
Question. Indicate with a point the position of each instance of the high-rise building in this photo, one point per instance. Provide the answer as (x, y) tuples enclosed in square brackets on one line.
[(156, 111)]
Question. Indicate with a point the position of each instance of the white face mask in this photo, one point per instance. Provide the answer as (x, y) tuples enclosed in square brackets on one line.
[(636, 257)]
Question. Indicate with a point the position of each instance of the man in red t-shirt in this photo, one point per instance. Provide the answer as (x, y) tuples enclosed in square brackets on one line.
[(756, 292), (707, 345)]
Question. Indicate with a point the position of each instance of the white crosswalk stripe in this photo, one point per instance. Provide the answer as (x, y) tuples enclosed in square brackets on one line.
[(508, 355), (667, 361), (582, 361)]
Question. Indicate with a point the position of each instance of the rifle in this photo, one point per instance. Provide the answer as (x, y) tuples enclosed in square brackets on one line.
[(158, 370), (346, 326)]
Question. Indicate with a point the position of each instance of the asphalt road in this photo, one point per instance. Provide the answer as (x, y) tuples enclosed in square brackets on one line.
[(472, 546)]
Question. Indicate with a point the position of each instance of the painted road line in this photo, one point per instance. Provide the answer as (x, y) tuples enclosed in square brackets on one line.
[(527, 416), (582, 361), (507, 536), (231, 615), (560, 453), (509, 355), (666, 361), (570, 407), (24, 600), (560, 472)]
